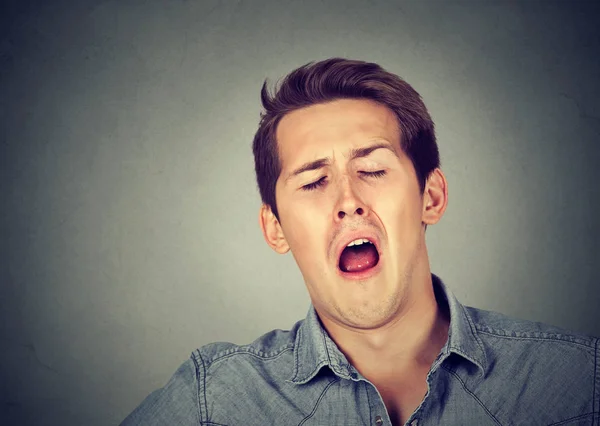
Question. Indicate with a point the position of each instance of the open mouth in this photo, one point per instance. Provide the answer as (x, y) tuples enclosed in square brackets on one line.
[(359, 255)]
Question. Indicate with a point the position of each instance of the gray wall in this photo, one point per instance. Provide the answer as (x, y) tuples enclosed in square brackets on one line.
[(129, 208)]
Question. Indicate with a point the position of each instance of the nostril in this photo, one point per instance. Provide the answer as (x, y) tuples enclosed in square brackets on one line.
[(359, 211)]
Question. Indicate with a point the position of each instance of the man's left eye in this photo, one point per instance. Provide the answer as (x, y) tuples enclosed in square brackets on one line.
[(377, 174)]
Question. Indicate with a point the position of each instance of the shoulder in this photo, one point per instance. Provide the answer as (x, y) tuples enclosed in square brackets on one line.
[(269, 346), (238, 380), (506, 339), (537, 367), (497, 325), (269, 358), (216, 377)]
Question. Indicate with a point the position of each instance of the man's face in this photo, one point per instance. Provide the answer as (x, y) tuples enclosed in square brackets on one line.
[(353, 194)]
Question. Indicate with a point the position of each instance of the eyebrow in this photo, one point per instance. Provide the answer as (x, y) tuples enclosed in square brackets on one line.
[(354, 154)]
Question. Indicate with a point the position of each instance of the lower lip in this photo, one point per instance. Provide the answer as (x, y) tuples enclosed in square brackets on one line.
[(362, 275)]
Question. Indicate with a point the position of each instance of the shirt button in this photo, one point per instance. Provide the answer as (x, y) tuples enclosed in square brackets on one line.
[(378, 420), (415, 422)]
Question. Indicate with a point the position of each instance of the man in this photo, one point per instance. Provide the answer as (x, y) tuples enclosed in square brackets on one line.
[(348, 170)]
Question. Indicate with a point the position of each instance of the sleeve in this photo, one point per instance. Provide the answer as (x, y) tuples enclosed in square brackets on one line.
[(176, 404)]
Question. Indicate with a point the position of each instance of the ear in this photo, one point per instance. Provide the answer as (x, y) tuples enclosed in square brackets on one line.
[(435, 198), (272, 231)]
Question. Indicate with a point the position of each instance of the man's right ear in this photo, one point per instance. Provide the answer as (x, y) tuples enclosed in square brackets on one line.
[(272, 231)]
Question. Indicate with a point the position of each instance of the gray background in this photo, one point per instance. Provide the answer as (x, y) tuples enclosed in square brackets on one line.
[(129, 207)]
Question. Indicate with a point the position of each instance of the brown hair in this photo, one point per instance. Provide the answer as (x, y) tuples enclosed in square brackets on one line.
[(338, 78)]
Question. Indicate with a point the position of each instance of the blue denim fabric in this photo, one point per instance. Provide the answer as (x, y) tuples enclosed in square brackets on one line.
[(493, 370)]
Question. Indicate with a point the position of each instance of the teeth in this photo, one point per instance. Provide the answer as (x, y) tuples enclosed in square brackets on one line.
[(359, 242)]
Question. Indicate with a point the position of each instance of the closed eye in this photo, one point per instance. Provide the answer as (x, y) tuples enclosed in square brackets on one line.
[(317, 184), (314, 185), (377, 174)]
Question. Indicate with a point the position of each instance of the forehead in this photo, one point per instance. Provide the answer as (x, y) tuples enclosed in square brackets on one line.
[(340, 124)]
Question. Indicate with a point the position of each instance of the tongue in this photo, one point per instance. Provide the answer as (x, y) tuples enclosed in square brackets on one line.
[(358, 258)]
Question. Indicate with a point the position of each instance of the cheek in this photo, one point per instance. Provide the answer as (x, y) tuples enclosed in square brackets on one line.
[(399, 209), (388, 200), (304, 230)]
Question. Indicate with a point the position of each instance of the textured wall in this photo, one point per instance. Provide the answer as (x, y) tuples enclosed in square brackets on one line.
[(129, 208)]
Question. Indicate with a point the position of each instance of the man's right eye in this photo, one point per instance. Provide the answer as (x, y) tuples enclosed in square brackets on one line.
[(314, 185)]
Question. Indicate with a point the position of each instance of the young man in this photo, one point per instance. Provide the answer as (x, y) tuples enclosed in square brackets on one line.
[(348, 171)]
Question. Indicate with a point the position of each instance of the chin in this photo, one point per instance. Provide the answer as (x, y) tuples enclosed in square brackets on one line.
[(366, 322), (369, 314)]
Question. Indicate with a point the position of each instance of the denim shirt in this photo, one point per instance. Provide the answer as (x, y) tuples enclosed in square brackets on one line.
[(493, 370)]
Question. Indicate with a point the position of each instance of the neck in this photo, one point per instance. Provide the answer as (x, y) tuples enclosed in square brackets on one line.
[(413, 338)]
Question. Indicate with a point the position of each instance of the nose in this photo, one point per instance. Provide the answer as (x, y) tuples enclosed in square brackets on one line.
[(349, 202)]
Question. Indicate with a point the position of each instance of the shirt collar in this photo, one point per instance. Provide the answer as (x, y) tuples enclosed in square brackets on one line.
[(314, 348), (462, 335)]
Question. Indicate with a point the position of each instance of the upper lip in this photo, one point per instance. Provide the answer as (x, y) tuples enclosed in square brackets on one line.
[(354, 235)]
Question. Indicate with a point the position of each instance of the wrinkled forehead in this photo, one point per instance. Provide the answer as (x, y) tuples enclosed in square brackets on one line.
[(337, 126)]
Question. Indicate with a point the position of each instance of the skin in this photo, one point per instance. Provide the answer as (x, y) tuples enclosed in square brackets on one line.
[(390, 316)]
